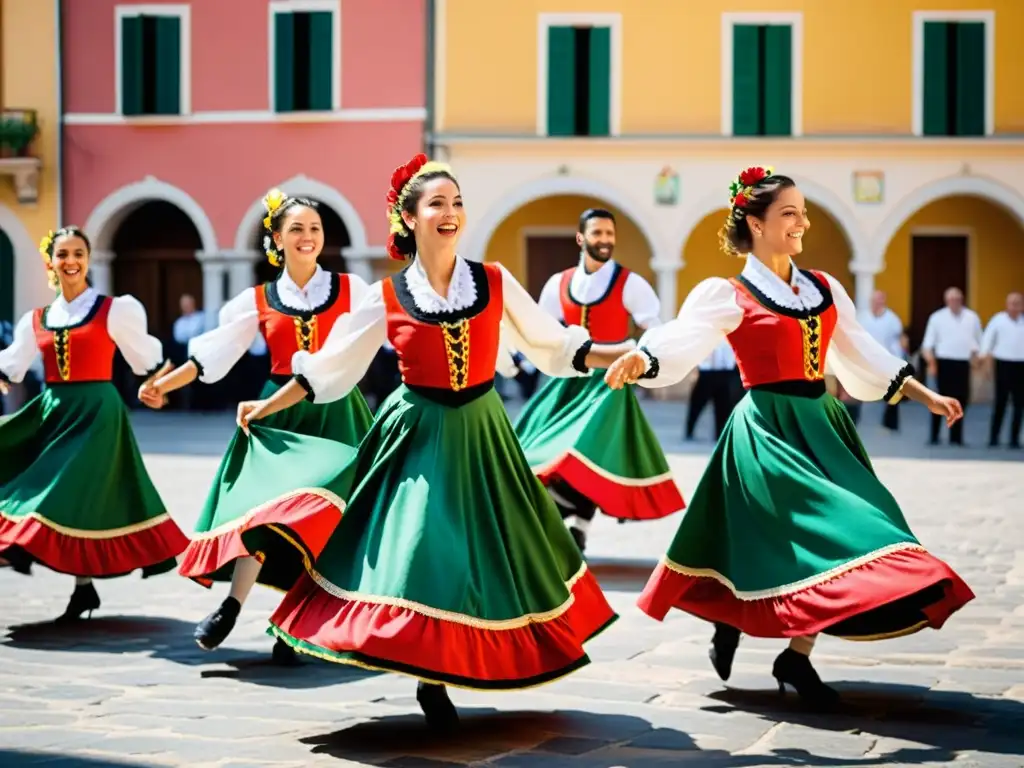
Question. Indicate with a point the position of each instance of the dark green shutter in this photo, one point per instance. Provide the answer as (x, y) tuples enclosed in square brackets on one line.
[(936, 81), (131, 65), (746, 76), (6, 278), (168, 65), (600, 81), (284, 62), (970, 79), (321, 68), (778, 80), (561, 81)]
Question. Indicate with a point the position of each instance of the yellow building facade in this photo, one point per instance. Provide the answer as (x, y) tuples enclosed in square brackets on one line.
[(29, 177), (902, 122)]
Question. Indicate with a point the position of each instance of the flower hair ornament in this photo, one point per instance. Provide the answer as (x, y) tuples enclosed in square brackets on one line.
[(46, 251), (398, 193), (744, 188), (272, 202)]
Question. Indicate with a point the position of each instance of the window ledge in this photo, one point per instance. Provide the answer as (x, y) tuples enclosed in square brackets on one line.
[(25, 172)]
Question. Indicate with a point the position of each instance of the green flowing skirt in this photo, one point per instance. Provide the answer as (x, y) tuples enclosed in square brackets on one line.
[(74, 492), (259, 504), (597, 440), (451, 563), (790, 533)]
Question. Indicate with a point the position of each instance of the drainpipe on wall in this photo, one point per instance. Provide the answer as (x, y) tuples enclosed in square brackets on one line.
[(59, 34), (428, 123)]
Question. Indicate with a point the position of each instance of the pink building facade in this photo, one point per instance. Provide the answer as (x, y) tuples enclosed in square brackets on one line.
[(179, 116)]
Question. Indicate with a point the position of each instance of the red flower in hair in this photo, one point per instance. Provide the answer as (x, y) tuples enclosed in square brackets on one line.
[(403, 174), (751, 176), (740, 201), (392, 248)]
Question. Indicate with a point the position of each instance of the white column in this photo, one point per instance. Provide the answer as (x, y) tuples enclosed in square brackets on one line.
[(241, 275), (100, 271), (665, 286), (213, 290), (863, 287), (359, 261)]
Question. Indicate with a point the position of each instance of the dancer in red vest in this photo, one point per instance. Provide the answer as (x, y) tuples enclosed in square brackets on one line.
[(255, 526), (74, 492), (451, 563), (790, 533), (590, 445)]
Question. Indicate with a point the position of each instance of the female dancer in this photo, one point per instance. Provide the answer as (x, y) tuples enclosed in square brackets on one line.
[(451, 563), (74, 492), (789, 532), (240, 535)]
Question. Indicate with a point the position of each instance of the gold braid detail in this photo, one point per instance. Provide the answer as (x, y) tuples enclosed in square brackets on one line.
[(811, 330), (584, 315), (456, 348), (306, 333), (62, 349)]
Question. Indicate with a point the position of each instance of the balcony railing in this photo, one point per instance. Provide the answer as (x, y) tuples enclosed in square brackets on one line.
[(18, 131)]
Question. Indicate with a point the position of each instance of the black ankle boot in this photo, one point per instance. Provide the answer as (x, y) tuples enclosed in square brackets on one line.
[(795, 669), (580, 538), (437, 707), (723, 649), (84, 598), (19, 560), (284, 655), (212, 630)]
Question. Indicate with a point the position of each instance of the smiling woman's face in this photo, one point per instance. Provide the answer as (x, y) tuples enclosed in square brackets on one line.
[(70, 261)]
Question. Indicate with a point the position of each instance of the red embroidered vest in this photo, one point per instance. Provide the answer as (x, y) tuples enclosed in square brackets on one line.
[(84, 352), (774, 345), (453, 354), (288, 330), (607, 318)]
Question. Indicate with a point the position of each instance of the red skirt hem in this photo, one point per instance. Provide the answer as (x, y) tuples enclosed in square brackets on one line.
[(814, 609), (94, 557), (618, 500), (309, 518), (441, 649)]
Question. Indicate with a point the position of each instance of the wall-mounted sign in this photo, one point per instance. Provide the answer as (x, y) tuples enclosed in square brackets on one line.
[(868, 186), (666, 187)]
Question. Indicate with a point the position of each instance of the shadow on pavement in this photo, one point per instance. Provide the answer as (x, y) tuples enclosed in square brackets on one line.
[(621, 574), (16, 759), (948, 721)]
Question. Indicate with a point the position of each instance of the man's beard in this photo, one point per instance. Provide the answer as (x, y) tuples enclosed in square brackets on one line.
[(594, 252)]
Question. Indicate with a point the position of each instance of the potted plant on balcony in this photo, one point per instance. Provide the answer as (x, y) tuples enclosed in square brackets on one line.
[(17, 130)]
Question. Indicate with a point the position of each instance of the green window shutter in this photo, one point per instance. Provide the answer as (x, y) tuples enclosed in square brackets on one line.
[(970, 79), (600, 77), (561, 81), (131, 65), (168, 65), (778, 80), (746, 80), (936, 81), (6, 278), (284, 62), (321, 60)]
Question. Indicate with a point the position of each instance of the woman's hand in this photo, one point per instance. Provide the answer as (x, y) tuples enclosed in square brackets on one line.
[(150, 395), (626, 370), (250, 410), (945, 406)]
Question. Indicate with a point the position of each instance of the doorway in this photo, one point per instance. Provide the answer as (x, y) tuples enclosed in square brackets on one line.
[(546, 255), (938, 262)]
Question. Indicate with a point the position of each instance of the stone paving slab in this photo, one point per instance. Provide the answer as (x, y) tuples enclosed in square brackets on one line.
[(130, 688)]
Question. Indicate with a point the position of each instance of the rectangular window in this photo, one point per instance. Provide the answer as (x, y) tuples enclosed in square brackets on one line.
[(303, 61), (151, 65), (762, 80), (954, 78), (579, 81)]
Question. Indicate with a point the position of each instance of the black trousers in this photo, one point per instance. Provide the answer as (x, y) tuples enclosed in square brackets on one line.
[(891, 417), (954, 381), (721, 388), (1009, 385)]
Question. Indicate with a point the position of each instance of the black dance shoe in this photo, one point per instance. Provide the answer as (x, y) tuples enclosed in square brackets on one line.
[(437, 707), (580, 538), (19, 560), (284, 655), (795, 669), (723, 649), (212, 630), (84, 598)]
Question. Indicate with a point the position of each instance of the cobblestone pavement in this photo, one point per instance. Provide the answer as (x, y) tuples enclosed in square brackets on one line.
[(130, 688)]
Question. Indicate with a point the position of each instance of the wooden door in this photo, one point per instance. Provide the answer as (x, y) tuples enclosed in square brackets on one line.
[(546, 255), (938, 262)]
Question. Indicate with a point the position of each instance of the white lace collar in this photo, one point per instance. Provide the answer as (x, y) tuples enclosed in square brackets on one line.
[(461, 289), (799, 293), (313, 296)]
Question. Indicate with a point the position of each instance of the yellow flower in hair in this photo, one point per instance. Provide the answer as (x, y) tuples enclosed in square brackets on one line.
[(273, 200), (45, 243), (266, 222)]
